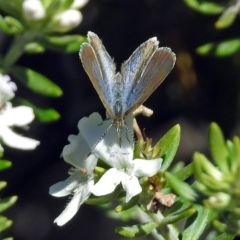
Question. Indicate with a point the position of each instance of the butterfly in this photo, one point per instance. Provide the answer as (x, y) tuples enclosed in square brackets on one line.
[(123, 92)]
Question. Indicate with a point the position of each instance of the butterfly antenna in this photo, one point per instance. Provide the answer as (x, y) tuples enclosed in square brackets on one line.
[(101, 138)]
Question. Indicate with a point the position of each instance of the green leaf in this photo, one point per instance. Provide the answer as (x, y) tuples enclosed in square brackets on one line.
[(209, 8), (227, 18), (34, 47), (4, 27), (136, 231), (13, 8), (2, 185), (6, 203), (9, 238), (127, 205), (43, 115), (177, 216), (67, 43), (220, 49), (224, 236), (36, 82), (4, 223), (196, 224), (15, 26), (167, 146), (4, 164), (185, 172), (180, 188), (218, 147)]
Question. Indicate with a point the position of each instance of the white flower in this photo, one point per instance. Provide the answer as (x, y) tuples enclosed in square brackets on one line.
[(124, 170), (77, 4), (68, 19), (7, 89), (96, 140), (79, 154), (79, 184), (33, 10), (18, 116)]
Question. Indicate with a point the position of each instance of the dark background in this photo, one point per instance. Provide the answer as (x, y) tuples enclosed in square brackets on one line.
[(198, 91)]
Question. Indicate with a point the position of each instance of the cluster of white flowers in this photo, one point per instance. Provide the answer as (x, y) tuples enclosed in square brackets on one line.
[(70, 18), (13, 117), (83, 153)]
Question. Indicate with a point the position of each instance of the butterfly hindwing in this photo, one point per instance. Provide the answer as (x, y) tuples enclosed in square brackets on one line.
[(158, 67)]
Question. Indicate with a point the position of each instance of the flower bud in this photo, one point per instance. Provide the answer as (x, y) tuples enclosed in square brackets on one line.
[(78, 4), (33, 9), (68, 19)]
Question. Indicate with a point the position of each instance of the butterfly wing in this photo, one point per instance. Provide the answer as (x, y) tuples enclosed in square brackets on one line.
[(148, 75), (100, 69)]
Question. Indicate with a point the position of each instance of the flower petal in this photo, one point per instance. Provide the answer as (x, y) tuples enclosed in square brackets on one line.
[(107, 183), (102, 137), (66, 187), (146, 168), (81, 195), (18, 116), (16, 141), (78, 153), (132, 187)]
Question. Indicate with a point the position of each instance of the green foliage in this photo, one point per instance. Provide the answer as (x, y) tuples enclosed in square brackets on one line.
[(227, 18), (5, 164), (167, 146), (36, 82), (67, 43), (181, 188), (138, 230), (42, 114), (220, 49), (197, 223), (208, 8)]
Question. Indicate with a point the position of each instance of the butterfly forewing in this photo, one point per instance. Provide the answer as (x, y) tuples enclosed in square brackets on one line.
[(100, 69), (158, 67)]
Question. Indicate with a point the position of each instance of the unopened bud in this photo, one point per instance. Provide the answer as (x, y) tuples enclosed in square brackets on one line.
[(33, 10), (68, 19)]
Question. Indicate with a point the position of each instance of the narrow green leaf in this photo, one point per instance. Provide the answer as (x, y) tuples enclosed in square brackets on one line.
[(4, 223), (167, 146), (15, 26), (34, 47), (185, 172), (68, 43), (136, 231), (220, 49), (2, 184), (4, 27), (4, 164), (36, 82), (224, 236), (9, 238), (177, 216), (218, 147), (196, 224), (127, 205), (227, 18), (42, 114), (180, 188), (209, 8), (6, 203)]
